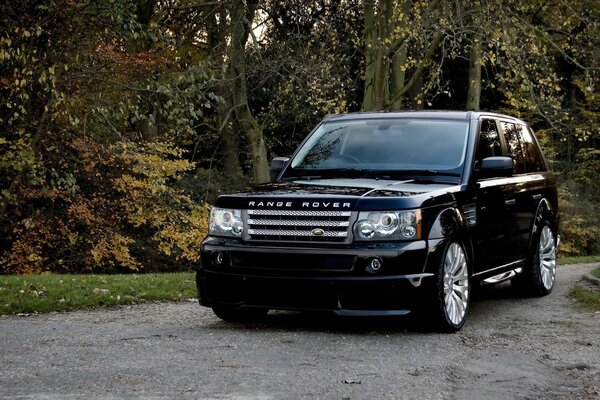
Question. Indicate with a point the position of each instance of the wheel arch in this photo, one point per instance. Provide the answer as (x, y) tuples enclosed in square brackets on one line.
[(451, 224), (545, 212)]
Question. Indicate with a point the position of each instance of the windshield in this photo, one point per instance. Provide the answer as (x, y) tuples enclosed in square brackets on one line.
[(392, 146)]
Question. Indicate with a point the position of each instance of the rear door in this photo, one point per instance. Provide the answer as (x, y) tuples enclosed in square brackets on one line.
[(528, 183)]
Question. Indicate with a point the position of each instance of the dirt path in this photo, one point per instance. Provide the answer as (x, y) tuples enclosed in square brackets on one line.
[(511, 348)]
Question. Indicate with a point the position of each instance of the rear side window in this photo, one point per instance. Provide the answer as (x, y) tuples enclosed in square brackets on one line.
[(534, 161), (513, 145)]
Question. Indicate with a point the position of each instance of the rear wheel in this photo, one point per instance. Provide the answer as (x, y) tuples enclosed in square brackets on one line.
[(452, 289), (540, 273), (234, 314)]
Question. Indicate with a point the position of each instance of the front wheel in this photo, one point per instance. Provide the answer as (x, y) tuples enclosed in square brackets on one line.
[(452, 289), (540, 272)]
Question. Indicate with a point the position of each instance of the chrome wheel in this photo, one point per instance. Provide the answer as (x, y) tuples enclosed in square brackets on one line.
[(539, 274), (547, 257), (456, 284)]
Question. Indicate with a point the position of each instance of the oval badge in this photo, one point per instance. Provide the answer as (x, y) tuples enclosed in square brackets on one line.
[(317, 232)]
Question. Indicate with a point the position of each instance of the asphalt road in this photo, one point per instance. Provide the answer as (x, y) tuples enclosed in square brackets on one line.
[(510, 348)]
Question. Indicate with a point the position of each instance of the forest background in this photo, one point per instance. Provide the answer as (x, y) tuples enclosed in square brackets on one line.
[(120, 121)]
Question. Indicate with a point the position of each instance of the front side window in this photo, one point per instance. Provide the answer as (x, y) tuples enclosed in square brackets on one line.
[(489, 140), (427, 145)]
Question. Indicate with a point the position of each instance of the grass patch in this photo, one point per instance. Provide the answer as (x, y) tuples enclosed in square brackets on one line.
[(596, 273), (578, 260), (46, 293), (588, 297)]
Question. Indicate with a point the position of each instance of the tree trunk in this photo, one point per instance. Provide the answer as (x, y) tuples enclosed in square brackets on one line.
[(240, 19), (230, 162), (370, 37), (399, 59), (474, 90), (382, 61), (385, 55), (144, 11)]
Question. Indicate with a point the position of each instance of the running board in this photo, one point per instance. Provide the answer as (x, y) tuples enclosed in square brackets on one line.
[(501, 277)]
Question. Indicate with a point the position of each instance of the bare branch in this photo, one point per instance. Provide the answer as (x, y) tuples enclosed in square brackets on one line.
[(435, 42)]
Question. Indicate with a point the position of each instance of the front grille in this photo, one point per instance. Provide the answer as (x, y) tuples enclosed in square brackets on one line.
[(298, 225)]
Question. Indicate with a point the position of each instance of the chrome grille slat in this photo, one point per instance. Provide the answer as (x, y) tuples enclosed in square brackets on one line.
[(287, 222), (298, 233), (301, 213), (298, 225)]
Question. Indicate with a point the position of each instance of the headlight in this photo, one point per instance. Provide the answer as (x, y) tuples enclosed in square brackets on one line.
[(225, 222), (388, 225)]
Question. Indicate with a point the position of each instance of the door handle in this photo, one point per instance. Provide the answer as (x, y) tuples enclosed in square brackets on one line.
[(537, 196), (510, 202)]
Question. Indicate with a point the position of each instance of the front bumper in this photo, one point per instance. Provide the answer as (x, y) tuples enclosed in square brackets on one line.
[(316, 278)]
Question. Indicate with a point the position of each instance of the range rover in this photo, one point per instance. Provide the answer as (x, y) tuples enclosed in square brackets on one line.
[(386, 214)]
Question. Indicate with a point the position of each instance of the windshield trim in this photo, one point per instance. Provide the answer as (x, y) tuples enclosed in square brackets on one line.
[(290, 172)]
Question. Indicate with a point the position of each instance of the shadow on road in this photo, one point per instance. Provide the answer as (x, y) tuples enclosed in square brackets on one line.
[(484, 298)]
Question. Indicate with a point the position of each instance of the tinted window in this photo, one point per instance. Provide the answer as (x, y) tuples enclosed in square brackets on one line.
[(534, 161), (489, 140), (511, 136), (386, 144)]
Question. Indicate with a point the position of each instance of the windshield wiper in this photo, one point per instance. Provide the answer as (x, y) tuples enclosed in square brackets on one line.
[(349, 173), (332, 173), (417, 173), (301, 176), (422, 175)]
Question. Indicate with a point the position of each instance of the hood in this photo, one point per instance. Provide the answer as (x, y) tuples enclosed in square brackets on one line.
[(341, 193), (345, 187)]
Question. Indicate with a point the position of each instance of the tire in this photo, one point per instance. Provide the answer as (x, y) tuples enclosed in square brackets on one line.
[(452, 289), (233, 314), (539, 275)]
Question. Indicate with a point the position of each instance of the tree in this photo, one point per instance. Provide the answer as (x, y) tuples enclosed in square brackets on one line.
[(242, 14), (400, 41), (304, 65), (83, 187)]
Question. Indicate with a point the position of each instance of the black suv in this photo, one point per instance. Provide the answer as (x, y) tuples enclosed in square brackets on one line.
[(384, 214)]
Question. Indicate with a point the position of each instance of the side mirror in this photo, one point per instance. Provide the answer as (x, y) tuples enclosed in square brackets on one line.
[(492, 167), (278, 163)]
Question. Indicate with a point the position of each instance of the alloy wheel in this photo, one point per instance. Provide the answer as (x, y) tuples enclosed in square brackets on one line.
[(456, 284), (547, 257)]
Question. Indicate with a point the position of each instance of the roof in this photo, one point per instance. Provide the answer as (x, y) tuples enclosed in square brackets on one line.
[(443, 114)]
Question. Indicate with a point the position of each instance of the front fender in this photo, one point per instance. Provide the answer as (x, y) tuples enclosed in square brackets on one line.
[(451, 224), (448, 223)]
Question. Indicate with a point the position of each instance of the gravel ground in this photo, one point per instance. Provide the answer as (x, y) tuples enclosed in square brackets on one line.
[(510, 348)]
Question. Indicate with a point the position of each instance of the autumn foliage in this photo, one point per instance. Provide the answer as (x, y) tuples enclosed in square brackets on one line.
[(86, 187), (119, 212)]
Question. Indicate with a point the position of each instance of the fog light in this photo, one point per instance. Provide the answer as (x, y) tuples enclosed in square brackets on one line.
[(374, 265), (218, 258)]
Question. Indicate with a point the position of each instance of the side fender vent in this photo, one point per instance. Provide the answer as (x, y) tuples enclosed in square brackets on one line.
[(470, 213)]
